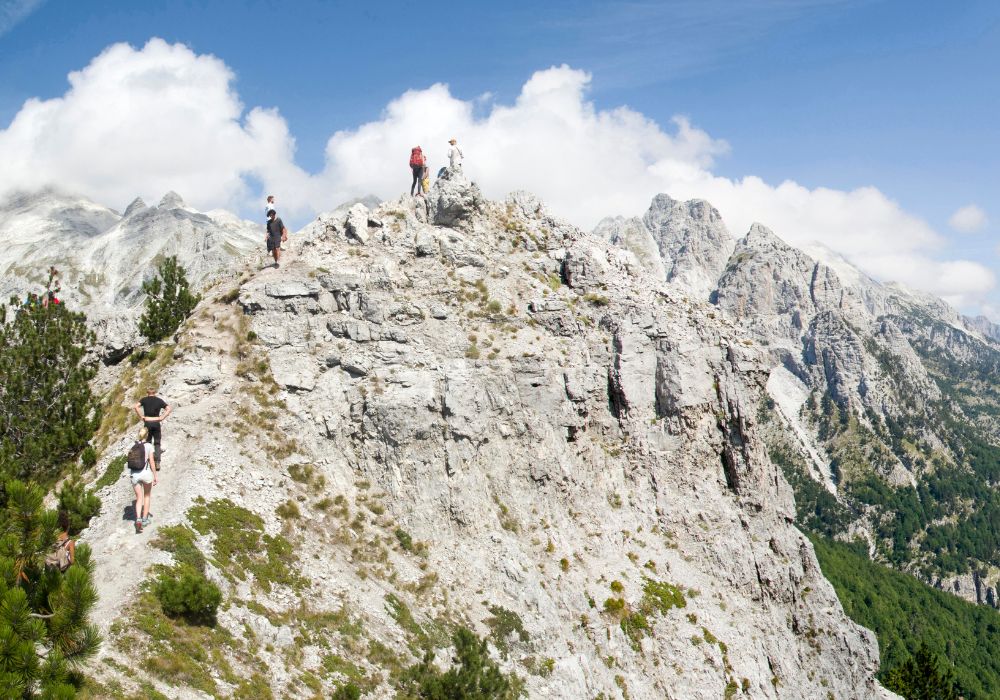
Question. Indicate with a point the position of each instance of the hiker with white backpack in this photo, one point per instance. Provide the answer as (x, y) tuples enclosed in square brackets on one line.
[(141, 462)]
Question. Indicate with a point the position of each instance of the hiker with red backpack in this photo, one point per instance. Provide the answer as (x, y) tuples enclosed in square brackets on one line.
[(418, 164), (141, 462)]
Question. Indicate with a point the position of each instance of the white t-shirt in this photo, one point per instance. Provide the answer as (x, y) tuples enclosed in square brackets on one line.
[(150, 450), (454, 156), (268, 206)]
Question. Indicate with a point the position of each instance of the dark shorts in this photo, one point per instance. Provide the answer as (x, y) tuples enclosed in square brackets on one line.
[(273, 243)]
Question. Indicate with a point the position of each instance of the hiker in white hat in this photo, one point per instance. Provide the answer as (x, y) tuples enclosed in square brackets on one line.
[(454, 156)]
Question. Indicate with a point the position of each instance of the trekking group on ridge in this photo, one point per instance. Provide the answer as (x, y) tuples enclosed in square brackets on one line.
[(276, 233), (143, 457)]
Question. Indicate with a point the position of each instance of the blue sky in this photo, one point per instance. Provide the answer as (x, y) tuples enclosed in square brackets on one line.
[(901, 96)]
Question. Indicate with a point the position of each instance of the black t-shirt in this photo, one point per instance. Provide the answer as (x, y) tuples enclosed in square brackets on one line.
[(152, 405), (274, 227)]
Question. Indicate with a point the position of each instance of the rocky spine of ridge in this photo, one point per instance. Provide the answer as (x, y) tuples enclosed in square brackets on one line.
[(549, 426)]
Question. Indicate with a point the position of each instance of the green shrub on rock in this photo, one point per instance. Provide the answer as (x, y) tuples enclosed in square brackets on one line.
[(183, 592), (348, 691), (474, 676), (80, 504)]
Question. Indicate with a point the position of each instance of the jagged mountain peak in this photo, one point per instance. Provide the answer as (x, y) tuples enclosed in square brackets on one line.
[(136, 206), (760, 236), (171, 200), (664, 206), (103, 257), (685, 243), (910, 382)]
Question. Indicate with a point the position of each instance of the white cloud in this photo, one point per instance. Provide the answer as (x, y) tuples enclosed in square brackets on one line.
[(143, 121), (968, 219)]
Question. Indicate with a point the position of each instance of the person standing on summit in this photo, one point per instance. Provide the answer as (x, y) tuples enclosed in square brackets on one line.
[(149, 409), (454, 156), (418, 164), (269, 204), (276, 235)]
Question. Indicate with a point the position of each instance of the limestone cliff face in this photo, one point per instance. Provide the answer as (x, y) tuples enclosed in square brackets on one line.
[(867, 379), (686, 243), (553, 424)]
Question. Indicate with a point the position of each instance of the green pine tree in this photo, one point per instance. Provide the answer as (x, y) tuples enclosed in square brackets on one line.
[(921, 677), (168, 301), (47, 410), (45, 633), (475, 676)]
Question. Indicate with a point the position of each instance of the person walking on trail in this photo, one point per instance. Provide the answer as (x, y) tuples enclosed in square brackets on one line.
[(418, 164), (454, 156), (144, 478), (149, 409), (269, 204), (276, 235)]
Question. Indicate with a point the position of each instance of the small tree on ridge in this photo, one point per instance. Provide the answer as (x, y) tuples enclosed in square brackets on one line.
[(168, 301)]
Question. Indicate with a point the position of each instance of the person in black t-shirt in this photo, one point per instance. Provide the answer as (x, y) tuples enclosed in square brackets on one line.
[(148, 409), (276, 235)]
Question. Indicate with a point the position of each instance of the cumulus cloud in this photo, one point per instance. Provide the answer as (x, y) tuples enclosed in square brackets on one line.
[(968, 219), (143, 121)]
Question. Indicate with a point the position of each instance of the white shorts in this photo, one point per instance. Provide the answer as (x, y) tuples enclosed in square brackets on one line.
[(143, 477)]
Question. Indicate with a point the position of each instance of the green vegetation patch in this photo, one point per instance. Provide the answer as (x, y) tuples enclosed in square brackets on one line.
[(179, 540), (472, 676), (421, 637), (112, 474), (661, 596), (179, 652), (816, 509), (184, 592), (504, 623), (658, 597), (241, 546)]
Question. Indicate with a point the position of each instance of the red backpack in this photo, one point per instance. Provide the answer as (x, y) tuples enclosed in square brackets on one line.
[(416, 157)]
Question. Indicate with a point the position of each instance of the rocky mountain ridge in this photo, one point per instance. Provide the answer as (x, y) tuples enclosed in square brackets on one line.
[(456, 411), (880, 393)]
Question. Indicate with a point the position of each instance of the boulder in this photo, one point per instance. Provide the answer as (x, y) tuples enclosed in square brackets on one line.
[(455, 202), (356, 223)]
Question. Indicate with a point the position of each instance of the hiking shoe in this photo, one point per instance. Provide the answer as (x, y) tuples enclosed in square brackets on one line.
[(138, 525)]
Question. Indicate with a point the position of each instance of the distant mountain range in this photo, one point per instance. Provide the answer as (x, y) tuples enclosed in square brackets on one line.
[(885, 400), (104, 256)]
